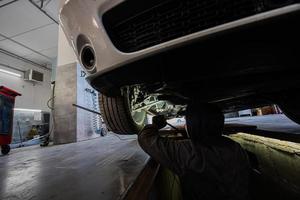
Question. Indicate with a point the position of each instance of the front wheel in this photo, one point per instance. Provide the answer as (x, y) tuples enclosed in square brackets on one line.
[(118, 115)]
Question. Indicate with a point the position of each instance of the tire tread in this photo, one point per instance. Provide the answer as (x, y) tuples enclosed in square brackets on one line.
[(116, 115)]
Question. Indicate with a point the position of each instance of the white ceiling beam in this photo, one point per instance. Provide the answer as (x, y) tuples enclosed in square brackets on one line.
[(24, 59)]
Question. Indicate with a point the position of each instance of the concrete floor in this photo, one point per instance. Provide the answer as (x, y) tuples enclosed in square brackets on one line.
[(102, 168), (276, 123)]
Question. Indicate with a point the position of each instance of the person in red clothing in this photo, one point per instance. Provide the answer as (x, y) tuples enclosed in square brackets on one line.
[(209, 165)]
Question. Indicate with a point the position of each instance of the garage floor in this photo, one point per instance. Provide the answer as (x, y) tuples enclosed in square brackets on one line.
[(102, 168)]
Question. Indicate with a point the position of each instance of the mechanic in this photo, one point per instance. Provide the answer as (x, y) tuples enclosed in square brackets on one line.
[(209, 165)]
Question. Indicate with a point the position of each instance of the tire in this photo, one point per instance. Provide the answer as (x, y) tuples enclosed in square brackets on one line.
[(117, 116), (5, 149)]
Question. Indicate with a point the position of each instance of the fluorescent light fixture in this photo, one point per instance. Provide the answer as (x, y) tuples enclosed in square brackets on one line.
[(27, 110), (10, 73)]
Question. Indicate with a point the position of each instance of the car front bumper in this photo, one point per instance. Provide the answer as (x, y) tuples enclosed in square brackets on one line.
[(84, 18)]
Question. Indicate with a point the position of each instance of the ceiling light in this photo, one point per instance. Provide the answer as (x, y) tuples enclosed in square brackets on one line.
[(27, 110), (10, 73)]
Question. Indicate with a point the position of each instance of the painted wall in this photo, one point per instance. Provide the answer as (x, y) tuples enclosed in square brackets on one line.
[(34, 96)]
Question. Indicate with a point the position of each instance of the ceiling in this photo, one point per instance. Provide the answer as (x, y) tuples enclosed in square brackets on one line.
[(29, 29)]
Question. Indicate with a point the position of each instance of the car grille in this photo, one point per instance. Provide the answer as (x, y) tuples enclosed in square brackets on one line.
[(172, 19)]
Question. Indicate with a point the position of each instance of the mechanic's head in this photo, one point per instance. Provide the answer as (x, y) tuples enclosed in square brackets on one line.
[(204, 120)]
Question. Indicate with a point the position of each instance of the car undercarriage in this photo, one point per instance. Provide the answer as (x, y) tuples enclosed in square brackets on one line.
[(246, 68), (158, 55)]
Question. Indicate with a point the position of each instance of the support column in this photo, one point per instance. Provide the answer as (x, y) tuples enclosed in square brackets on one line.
[(65, 93), (73, 124)]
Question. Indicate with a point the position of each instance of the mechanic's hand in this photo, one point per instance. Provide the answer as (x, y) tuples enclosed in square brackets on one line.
[(159, 121)]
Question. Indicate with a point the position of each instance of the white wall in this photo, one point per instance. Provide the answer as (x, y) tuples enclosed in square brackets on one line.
[(34, 96)]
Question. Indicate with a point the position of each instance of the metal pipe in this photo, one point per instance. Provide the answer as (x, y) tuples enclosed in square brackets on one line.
[(43, 11), (8, 3), (175, 128), (86, 109), (146, 106), (10, 67), (23, 59)]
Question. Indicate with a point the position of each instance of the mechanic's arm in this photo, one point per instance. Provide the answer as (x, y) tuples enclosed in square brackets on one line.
[(176, 155)]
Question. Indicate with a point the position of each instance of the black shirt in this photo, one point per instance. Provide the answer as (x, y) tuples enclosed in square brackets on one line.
[(215, 169)]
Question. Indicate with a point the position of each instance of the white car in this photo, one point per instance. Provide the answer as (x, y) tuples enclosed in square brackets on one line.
[(154, 56)]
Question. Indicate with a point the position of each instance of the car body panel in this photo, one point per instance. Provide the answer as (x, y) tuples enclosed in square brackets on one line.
[(108, 57)]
